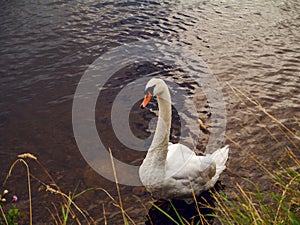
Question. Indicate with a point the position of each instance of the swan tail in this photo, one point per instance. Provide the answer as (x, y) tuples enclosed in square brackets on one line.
[(220, 158)]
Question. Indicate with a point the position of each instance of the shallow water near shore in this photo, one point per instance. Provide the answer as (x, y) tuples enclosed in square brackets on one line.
[(46, 46)]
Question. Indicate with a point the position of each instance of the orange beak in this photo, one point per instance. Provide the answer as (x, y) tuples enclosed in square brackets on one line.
[(146, 100)]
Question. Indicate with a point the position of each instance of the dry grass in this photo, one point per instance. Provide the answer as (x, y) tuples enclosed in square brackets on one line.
[(251, 205)]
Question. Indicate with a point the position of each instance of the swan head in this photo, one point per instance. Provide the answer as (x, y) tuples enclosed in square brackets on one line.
[(155, 87)]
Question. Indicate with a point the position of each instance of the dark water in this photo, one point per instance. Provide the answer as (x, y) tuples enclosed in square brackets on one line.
[(46, 46)]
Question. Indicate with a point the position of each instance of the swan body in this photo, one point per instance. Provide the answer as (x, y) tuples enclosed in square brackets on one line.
[(173, 170)]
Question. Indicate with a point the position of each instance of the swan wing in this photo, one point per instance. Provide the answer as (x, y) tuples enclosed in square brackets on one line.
[(186, 172), (183, 163), (179, 152)]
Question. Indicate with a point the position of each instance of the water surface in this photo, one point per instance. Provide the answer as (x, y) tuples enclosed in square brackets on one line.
[(47, 45)]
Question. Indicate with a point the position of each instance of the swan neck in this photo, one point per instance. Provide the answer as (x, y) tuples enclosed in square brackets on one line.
[(152, 171), (162, 132)]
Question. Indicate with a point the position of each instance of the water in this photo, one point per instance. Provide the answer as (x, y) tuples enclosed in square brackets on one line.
[(46, 46)]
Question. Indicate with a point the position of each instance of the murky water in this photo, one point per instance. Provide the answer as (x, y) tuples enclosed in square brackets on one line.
[(46, 46)]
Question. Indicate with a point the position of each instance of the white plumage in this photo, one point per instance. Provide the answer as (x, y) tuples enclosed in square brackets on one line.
[(173, 170)]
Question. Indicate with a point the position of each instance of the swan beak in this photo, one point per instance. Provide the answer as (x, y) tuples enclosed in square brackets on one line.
[(146, 100)]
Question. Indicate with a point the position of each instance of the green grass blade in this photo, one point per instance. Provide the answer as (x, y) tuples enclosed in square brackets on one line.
[(165, 213), (177, 214)]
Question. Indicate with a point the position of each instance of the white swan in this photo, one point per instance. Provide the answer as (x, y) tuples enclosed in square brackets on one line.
[(173, 170)]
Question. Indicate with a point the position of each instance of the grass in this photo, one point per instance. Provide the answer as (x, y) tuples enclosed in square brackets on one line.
[(247, 203), (256, 207), (251, 205), (179, 220)]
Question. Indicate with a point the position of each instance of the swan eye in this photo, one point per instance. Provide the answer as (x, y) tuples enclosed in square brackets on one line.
[(149, 90)]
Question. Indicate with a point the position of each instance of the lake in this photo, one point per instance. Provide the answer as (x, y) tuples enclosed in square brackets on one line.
[(47, 47)]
